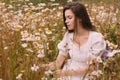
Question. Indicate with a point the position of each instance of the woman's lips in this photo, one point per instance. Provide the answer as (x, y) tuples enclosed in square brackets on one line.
[(68, 25)]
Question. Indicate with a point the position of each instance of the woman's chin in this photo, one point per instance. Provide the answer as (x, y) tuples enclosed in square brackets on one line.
[(69, 28)]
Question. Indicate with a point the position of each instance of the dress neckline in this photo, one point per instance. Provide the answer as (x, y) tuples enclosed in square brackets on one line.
[(71, 37)]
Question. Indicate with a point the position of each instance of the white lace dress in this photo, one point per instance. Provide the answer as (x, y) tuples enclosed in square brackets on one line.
[(79, 56)]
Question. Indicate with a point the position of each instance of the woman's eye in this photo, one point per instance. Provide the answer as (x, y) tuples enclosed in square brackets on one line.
[(69, 17)]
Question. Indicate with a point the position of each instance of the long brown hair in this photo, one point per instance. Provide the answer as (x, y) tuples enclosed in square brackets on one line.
[(80, 12)]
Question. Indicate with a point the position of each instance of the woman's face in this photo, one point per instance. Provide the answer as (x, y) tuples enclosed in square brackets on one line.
[(70, 19)]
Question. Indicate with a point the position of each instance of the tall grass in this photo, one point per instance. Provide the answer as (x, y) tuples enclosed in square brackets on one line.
[(29, 36)]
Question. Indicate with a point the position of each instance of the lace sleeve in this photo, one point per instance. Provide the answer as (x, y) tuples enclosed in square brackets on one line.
[(62, 46)]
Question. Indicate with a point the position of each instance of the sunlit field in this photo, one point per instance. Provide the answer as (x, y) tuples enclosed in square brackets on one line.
[(29, 35)]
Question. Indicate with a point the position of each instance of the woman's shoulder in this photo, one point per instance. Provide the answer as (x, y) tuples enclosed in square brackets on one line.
[(96, 34), (68, 34)]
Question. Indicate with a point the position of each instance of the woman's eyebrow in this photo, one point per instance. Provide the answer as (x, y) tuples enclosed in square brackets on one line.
[(68, 16)]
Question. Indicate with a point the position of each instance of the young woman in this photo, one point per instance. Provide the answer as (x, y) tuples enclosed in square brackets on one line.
[(81, 43)]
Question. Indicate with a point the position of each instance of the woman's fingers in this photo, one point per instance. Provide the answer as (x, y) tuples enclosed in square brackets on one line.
[(44, 65), (52, 66)]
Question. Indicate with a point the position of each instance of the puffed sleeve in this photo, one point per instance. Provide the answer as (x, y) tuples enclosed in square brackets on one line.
[(62, 46), (98, 45)]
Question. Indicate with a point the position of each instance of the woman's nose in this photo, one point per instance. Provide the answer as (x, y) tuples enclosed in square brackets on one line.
[(66, 21)]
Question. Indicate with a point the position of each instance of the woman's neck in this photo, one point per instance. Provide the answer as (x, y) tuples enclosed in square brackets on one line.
[(81, 32)]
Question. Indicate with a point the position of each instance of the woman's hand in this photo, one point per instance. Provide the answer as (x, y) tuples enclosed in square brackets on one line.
[(52, 66), (44, 65), (61, 73), (58, 73)]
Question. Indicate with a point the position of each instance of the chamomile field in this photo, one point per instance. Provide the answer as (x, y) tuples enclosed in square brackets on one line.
[(30, 31)]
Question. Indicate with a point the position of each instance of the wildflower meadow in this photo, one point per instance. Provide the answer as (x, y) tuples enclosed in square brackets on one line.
[(30, 32)]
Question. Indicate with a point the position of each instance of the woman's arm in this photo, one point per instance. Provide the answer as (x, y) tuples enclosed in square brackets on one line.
[(58, 62), (83, 71), (63, 53)]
